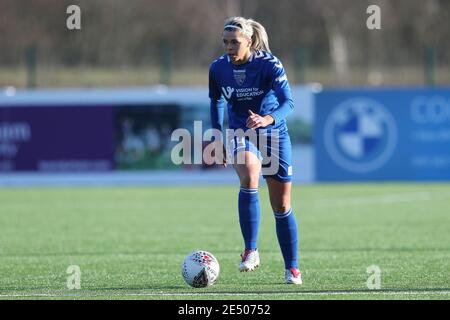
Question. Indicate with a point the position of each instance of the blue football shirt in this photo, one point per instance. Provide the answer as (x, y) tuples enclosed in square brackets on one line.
[(259, 85)]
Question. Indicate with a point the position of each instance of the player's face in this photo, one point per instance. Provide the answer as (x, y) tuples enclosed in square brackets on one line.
[(236, 46)]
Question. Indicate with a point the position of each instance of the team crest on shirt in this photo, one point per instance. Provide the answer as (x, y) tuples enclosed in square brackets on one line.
[(239, 76)]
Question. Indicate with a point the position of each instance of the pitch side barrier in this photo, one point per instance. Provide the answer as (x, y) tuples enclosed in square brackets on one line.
[(382, 134), (103, 130), (91, 130)]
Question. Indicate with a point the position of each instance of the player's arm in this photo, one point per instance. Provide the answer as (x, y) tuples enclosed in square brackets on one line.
[(217, 107), (280, 86), (217, 104)]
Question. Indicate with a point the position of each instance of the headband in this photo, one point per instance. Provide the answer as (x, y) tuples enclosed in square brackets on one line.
[(237, 27)]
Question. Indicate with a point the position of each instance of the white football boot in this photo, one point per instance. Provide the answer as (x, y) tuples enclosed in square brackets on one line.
[(293, 276), (250, 260)]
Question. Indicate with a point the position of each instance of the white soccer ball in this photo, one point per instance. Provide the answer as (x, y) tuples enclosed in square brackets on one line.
[(200, 269)]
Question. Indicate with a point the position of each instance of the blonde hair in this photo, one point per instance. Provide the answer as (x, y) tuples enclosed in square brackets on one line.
[(250, 28)]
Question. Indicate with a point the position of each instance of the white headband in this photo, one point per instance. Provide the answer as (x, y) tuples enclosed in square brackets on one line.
[(239, 28)]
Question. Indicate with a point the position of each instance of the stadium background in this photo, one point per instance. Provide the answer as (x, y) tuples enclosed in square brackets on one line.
[(96, 107)]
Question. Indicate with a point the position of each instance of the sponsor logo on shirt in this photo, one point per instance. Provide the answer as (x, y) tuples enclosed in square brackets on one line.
[(242, 93), (248, 93), (227, 92)]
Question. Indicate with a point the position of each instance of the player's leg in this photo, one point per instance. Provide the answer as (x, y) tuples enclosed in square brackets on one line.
[(249, 171), (249, 209), (286, 227), (280, 185)]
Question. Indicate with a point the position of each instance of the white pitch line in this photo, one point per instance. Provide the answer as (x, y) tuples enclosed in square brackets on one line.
[(379, 199), (167, 294)]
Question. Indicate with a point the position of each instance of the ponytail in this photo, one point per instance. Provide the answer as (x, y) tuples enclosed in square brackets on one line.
[(250, 28), (260, 40)]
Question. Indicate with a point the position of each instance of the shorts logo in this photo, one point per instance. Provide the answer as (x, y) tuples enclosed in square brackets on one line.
[(360, 135), (239, 76), (290, 171)]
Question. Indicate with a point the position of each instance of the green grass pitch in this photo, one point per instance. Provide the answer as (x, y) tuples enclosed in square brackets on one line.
[(130, 242)]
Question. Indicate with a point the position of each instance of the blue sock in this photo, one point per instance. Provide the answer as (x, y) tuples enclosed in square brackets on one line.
[(249, 216), (286, 226)]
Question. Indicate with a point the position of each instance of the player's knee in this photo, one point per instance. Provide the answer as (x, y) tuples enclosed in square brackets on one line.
[(249, 180), (281, 208)]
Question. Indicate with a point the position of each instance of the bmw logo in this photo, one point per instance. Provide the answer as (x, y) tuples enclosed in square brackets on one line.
[(360, 135)]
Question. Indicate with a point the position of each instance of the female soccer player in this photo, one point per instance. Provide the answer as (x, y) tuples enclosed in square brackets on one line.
[(254, 85)]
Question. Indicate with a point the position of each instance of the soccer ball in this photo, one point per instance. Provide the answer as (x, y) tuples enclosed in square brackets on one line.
[(200, 269)]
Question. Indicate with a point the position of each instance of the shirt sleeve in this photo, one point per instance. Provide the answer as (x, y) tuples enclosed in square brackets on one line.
[(217, 103), (280, 86)]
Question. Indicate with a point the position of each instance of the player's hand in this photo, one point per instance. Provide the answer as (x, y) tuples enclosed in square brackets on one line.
[(224, 156), (256, 121), (220, 157)]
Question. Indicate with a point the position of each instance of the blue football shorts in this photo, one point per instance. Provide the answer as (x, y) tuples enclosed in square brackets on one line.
[(274, 150)]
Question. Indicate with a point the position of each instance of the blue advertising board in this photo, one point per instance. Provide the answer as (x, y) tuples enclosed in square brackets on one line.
[(382, 134)]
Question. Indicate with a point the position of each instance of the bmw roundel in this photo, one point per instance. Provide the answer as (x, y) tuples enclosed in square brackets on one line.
[(360, 135)]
